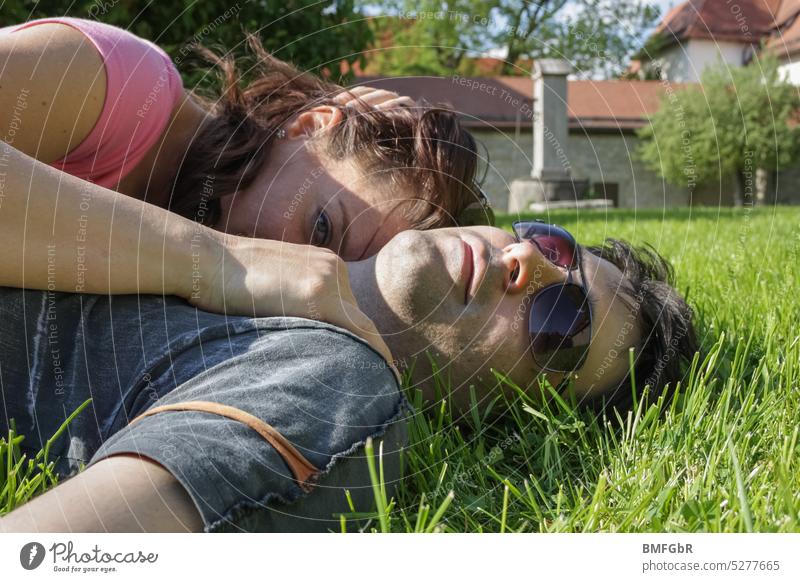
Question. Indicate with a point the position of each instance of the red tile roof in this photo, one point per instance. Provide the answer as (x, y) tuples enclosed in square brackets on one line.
[(613, 104), (507, 101), (492, 66), (745, 21)]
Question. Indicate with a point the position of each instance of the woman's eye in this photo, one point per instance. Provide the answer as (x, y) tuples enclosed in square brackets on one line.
[(322, 232)]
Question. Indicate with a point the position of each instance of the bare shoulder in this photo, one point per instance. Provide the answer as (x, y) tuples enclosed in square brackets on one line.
[(52, 89)]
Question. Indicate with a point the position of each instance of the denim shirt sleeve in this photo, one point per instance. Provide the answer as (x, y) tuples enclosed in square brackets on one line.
[(322, 388)]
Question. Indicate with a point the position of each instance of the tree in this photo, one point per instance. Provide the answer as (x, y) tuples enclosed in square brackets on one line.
[(597, 36), (434, 37), (739, 121), (312, 35), (424, 37)]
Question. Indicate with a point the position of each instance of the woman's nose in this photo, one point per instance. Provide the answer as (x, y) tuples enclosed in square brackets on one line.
[(525, 268)]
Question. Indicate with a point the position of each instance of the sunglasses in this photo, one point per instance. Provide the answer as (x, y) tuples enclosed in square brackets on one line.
[(560, 320)]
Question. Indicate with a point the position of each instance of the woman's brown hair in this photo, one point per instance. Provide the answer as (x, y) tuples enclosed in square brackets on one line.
[(423, 149)]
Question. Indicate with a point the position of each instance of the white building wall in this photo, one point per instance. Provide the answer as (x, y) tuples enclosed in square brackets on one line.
[(607, 158), (613, 159), (685, 63), (509, 154), (791, 71)]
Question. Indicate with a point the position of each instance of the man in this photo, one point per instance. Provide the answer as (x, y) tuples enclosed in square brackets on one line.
[(467, 301)]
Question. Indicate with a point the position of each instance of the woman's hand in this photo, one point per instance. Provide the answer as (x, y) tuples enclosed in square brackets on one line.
[(261, 278), (377, 98)]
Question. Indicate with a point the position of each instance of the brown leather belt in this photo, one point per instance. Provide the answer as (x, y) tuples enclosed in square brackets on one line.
[(304, 472)]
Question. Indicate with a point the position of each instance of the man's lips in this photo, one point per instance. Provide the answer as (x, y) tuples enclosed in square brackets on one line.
[(473, 267), (467, 270)]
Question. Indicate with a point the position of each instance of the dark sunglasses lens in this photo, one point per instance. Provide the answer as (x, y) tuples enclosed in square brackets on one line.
[(560, 327), (555, 243), (557, 249)]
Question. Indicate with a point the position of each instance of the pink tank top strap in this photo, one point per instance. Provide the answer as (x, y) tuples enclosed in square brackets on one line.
[(143, 87)]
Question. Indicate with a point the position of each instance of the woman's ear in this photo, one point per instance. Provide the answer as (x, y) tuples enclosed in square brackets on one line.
[(318, 119)]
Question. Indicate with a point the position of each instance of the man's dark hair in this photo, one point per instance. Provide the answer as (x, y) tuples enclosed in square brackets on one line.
[(668, 340)]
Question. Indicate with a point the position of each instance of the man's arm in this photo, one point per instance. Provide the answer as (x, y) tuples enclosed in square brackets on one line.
[(122, 493)]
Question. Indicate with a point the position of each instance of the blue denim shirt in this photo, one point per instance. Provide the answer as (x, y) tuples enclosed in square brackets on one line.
[(321, 387)]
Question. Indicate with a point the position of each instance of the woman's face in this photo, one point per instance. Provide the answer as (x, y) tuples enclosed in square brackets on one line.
[(304, 198)]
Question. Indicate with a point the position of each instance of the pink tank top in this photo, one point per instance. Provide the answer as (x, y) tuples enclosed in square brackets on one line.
[(143, 87)]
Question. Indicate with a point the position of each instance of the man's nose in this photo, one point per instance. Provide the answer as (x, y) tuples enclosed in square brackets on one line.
[(525, 268)]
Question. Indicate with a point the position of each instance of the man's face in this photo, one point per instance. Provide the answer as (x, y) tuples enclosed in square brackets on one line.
[(463, 296)]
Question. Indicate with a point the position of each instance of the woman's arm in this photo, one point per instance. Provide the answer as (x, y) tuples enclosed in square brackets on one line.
[(61, 233), (52, 89), (119, 494)]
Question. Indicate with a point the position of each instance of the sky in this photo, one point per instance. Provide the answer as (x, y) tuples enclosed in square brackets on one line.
[(665, 5)]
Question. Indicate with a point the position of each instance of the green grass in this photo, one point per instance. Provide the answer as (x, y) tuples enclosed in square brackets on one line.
[(23, 478), (721, 457)]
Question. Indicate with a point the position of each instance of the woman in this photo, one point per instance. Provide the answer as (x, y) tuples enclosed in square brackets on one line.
[(288, 157)]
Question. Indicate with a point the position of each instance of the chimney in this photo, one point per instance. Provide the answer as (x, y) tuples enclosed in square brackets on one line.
[(550, 160), (550, 178)]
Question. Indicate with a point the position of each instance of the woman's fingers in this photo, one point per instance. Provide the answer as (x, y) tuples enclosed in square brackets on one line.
[(354, 319), (401, 101), (352, 95), (352, 92), (381, 99), (361, 325), (351, 318), (378, 98)]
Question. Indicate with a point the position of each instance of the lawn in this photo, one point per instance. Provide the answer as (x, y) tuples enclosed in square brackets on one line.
[(721, 457)]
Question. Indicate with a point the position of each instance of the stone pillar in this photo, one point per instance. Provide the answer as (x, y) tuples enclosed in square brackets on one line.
[(550, 176), (550, 161)]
